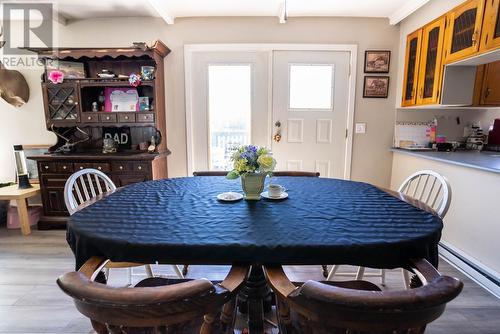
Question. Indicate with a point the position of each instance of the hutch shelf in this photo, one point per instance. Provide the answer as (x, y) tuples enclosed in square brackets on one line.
[(70, 111)]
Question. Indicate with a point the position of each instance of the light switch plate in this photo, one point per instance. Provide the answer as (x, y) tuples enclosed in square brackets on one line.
[(360, 127)]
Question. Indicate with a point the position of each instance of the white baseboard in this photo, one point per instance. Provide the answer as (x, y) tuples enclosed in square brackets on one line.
[(472, 268)]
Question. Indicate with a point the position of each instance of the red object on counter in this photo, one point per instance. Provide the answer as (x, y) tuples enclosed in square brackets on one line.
[(494, 135)]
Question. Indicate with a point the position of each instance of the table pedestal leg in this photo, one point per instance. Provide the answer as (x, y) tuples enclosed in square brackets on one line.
[(22, 213), (255, 298)]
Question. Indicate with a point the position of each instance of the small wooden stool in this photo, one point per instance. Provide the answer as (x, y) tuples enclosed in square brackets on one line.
[(20, 196)]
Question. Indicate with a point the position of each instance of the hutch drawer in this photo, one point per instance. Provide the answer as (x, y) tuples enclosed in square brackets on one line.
[(64, 167), (126, 118), (145, 118), (101, 166), (54, 180), (90, 117), (47, 167), (107, 117)]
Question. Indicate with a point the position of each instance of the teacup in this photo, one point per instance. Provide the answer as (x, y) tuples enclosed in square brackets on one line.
[(275, 190)]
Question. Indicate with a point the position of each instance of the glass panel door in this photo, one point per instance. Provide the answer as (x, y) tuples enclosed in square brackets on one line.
[(490, 36), (63, 103), (429, 80), (413, 44), (464, 30), (230, 108)]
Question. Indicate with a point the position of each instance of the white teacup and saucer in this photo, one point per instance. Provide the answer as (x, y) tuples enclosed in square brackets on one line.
[(275, 191)]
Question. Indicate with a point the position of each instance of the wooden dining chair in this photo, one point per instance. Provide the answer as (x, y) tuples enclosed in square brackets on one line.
[(83, 187), (154, 305), (360, 307), (426, 186), (279, 173)]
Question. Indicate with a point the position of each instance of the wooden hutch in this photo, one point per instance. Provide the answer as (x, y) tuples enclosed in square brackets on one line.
[(70, 108)]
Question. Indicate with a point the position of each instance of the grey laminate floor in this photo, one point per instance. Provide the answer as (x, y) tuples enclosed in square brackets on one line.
[(30, 301)]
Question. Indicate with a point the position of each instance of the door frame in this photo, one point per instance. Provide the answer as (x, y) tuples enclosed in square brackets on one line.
[(191, 49)]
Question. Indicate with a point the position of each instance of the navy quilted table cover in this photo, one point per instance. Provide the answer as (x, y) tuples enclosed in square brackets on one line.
[(324, 221)]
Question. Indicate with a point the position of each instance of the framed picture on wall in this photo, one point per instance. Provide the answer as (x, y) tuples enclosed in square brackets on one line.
[(376, 86), (377, 61)]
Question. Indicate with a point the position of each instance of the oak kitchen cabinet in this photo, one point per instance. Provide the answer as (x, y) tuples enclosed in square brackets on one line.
[(490, 85), (412, 58), (490, 37), (463, 30), (430, 66)]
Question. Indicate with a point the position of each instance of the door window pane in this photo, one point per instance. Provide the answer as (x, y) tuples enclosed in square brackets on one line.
[(230, 107), (311, 86)]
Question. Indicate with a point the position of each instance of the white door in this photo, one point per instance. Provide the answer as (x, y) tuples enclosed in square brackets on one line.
[(229, 106), (310, 108)]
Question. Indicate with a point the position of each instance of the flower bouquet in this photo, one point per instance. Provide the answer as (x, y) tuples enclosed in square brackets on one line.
[(253, 164)]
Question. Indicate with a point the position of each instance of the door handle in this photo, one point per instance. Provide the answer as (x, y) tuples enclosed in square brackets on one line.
[(277, 132)]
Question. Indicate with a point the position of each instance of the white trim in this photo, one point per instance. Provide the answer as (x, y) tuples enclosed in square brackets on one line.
[(159, 7), (190, 49), (406, 10), (468, 270)]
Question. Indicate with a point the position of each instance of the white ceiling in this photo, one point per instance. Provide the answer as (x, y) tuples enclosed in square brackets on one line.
[(169, 10)]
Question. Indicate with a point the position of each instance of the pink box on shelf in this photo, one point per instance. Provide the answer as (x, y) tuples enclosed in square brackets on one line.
[(34, 213)]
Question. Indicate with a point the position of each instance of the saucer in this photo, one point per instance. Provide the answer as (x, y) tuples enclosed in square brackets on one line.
[(283, 195), (229, 197)]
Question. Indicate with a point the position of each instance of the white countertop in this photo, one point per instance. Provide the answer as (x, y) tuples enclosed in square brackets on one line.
[(488, 161)]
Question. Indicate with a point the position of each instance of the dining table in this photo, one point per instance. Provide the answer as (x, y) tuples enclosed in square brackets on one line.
[(323, 221)]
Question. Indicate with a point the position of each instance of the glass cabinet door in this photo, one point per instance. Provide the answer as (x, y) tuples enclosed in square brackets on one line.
[(412, 57), (429, 78), (490, 36), (464, 29), (62, 103)]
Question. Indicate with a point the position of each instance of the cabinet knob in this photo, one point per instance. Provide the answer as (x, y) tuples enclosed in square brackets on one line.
[(139, 168), (126, 117), (107, 118), (145, 117), (64, 167), (81, 167), (99, 167), (121, 167), (89, 118), (46, 167)]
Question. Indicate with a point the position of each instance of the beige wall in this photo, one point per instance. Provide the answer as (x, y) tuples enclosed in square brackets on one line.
[(371, 160), (471, 224)]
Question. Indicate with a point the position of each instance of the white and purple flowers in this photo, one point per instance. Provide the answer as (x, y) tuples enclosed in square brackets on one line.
[(251, 159)]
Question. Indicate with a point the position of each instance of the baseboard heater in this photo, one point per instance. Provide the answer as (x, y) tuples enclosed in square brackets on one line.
[(477, 272)]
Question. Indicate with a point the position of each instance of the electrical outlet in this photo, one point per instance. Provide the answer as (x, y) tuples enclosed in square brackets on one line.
[(360, 127)]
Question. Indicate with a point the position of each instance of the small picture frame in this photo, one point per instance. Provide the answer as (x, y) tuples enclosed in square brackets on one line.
[(70, 69), (31, 165), (377, 61), (376, 87), (143, 103)]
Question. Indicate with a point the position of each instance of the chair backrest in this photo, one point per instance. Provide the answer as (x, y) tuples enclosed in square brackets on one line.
[(150, 305), (345, 309), (85, 185), (430, 188), (287, 173), (296, 173)]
